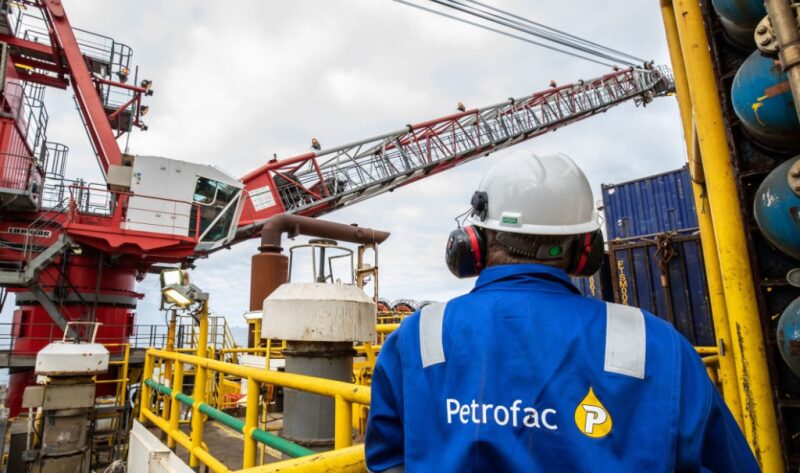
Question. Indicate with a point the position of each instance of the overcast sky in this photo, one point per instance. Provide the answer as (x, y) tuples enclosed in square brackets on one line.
[(237, 81)]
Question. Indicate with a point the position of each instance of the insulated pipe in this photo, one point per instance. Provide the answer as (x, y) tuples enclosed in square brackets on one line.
[(719, 311), (758, 407), (294, 225), (784, 25)]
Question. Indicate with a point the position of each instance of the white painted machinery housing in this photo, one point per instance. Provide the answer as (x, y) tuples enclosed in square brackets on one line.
[(319, 312)]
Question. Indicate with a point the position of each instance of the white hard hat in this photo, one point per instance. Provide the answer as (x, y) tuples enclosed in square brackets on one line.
[(536, 195)]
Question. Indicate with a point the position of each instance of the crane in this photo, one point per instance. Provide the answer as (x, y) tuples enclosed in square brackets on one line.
[(74, 251)]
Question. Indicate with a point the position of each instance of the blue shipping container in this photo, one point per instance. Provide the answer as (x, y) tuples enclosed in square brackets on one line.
[(670, 283), (651, 205)]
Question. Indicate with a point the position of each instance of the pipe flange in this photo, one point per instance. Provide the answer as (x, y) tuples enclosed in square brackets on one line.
[(764, 34), (765, 37), (793, 178)]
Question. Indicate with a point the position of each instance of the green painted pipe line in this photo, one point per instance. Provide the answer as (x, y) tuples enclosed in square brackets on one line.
[(278, 443)]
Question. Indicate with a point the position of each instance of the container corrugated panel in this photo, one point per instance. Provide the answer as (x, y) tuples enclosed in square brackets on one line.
[(651, 205), (597, 286), (673, 288)]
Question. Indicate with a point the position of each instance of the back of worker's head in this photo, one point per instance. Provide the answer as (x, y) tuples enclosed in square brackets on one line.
[(529, 209)]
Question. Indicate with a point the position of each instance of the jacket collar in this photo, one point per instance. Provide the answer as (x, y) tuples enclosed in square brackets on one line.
[(532, 277)]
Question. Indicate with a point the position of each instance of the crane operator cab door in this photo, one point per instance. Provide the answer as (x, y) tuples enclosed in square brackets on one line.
[(182, 198)]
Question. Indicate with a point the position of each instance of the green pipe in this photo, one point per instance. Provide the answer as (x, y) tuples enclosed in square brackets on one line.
[(278, 443)]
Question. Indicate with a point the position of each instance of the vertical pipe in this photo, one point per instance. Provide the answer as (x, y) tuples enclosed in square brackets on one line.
[(250, 424), (147, 373), (784, 24), (199, 393), (175, 406), (343, 421), (719, 311), (758, 409)]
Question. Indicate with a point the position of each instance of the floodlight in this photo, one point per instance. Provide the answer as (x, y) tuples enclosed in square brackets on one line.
[(174, 277), (177, 295)]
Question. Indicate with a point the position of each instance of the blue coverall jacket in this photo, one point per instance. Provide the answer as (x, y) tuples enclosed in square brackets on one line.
[(523, 374)]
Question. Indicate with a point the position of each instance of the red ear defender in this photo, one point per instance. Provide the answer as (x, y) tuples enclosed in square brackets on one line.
[(466, 251), (587, 256)]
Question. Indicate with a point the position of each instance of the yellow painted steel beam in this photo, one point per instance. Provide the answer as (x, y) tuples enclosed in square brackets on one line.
[(707, 350), (758, 409), (175, 406), (186, 442), (199, 393), (345, 460), (144, 397), (343, 423), (386, 328), (325, 387), (250, 424), (716, 294), (711, 360)]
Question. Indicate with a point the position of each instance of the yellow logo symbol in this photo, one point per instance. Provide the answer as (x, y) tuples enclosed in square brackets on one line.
[(592, 418)]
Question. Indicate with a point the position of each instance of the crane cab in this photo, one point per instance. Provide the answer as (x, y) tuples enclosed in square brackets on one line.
[(179, 198)]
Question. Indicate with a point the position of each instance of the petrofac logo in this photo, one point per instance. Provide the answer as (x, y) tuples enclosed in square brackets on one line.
[(592, 418), (498, 414)]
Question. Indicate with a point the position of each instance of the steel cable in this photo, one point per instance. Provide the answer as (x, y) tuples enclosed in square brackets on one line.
[(504, 33), (455, 5), (557, 31)]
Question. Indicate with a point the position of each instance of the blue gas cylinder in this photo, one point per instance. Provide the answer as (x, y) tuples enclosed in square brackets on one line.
[(789, 336), (739, 18), (763, 102), (777, 210)]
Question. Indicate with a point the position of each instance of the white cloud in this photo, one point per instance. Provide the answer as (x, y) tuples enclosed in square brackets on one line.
[(237, 81)]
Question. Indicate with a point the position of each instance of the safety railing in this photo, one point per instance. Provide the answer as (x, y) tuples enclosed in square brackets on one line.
[(29, 114), (25, 339), (345, 456), (135, 211), (20, 173)]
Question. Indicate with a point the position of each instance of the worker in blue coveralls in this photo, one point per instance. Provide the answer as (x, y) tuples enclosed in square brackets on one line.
[(523, 374)]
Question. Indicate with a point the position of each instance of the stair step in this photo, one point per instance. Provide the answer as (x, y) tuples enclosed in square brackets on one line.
[(12, 278)]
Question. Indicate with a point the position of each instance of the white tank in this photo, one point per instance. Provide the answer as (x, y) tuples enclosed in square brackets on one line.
[(318, 312)]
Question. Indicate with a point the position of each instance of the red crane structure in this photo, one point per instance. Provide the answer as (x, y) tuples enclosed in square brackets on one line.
[(74, 251)]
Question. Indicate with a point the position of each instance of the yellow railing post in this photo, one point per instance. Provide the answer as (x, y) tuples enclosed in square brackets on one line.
[(250, 423), (719, 311), (175, 406), (758, 409), (144, 391), (199, 391), (170, 346), (343, 423)]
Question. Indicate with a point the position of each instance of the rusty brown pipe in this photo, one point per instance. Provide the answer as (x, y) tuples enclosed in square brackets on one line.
[(294, 225)]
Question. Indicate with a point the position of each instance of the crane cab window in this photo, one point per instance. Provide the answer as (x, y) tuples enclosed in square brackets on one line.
[(217, 203)]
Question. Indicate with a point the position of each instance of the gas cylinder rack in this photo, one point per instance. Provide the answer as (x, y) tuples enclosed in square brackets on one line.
[(742, 130)]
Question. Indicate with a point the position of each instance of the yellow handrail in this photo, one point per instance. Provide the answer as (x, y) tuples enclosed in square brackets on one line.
[(344, 394)]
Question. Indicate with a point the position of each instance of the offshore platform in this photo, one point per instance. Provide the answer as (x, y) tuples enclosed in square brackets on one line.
[(90, 390)]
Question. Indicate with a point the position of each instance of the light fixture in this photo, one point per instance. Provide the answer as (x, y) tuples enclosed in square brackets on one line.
[(175, 294), (173, 276)]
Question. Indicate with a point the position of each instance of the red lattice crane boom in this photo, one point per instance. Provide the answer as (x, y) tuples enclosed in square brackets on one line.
[(315, 183)]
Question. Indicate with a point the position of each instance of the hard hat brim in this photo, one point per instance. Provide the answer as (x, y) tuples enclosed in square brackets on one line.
[(528, 229)]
